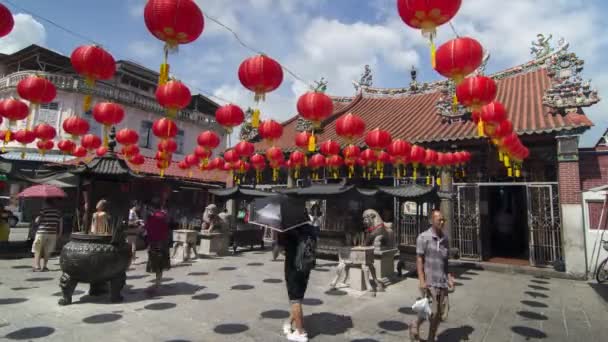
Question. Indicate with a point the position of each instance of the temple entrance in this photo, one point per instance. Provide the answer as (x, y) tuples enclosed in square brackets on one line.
[(504, 224)]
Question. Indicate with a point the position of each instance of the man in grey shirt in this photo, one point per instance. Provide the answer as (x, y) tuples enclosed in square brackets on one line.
[(432, 265)]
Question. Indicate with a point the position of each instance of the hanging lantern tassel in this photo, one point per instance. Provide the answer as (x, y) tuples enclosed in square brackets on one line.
[(398, 169), (162, 173), (312, 142), (463, 172), (164, 69), (415, 171), (509, 172), (480, 128), (428, 177), (454, 103), (88, 99), (351, 171), (255, 118), (105, 135), (275, 174), (501, 156), (507, 161), (433, 50), (189, 173), (438, 181)]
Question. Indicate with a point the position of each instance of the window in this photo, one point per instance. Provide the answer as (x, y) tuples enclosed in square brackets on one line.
[(145, 134), (96, 127), (179, 139), (48, 113)]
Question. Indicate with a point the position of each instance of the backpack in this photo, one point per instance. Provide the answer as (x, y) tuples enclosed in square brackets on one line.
[(306, 254)]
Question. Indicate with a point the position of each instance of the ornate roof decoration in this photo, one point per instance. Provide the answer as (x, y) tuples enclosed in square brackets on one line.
[(366, 80), (321, 85), (248, 132), (568, 91), (541, 47), (303, 125)]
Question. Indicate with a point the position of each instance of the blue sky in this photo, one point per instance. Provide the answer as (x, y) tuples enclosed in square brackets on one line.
[(315, 38)]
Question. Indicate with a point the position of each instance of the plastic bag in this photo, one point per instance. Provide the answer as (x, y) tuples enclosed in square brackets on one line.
[(423, 308)]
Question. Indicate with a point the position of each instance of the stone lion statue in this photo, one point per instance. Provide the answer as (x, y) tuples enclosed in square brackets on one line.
[(378, 233), (211, 220)]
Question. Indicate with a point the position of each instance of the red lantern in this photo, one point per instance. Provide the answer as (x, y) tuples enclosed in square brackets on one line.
[(167, 146), (90, 142), (45, 132), (202, 153), (24, 136), (302, 140), (14, 110), (297, 159), (430, 158), (102, 150), (258, 161), (274, 155), (417, 155), (400, 151), (317, 161), (173, 96), (174, 21), (129, 150), (192, 160), (350, 127), (504, 128), (164, 128), (136, 159), (76, 126), (378, 139), (216, 163), (93, 62), (260, 74), (66, 146), (458, 57), (492, 115), (229, 116), (315, 107), (108, 114), (231, 157), (208, 140), (183, 165), (79, 152), (127, 136), (426, 15), (6, 21), (44, 145), (330, 148), (36, 89), (334, 163), (369, 156), (244, 149), (476, 92), (351, 152), (270, 130)]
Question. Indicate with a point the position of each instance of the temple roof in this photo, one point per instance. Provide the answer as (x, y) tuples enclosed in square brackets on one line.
[(415, 113)]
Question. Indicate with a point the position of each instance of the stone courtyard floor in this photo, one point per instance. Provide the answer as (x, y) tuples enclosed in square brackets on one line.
[(243, 298)]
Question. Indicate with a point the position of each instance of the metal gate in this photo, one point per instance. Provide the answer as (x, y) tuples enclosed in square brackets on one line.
[(466, 222), (544, 224)]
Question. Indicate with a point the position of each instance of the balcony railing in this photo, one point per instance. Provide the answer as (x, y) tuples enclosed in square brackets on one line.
[(110, 92)]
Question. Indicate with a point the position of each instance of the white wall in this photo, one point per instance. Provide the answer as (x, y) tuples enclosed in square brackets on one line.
[(71, 104), (593, 236)]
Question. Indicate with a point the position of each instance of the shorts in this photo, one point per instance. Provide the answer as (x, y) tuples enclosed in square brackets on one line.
[(440, 302), (44, 244), (296, 281)]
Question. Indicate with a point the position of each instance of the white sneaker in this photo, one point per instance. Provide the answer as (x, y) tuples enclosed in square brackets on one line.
[(297, 337), (287, 328)]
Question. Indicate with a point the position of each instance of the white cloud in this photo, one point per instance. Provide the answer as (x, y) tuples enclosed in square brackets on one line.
[(136, 8), (26, 31)]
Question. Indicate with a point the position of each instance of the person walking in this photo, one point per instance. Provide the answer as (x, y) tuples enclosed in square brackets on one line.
[(300, 253), (5, 228), (157, 228), (432, 249), (50, 226), (135, 226)]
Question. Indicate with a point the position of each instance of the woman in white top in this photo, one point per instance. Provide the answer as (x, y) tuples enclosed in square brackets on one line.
[(100, 223), (135, 226)]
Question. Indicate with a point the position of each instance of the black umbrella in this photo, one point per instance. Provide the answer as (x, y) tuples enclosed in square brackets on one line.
[(280, 212)]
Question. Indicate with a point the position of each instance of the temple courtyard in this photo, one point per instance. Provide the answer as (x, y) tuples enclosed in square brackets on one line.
[(243, 298)]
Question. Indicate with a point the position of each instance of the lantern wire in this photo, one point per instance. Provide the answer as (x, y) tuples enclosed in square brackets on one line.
[(454, 30), (236, 36)]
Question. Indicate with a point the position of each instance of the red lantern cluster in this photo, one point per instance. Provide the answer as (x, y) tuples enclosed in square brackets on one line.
[(36, 90), (94, 63)]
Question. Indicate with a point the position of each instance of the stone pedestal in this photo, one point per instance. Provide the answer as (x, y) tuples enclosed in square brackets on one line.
[(384, 263), (213, 244), (184, 245), (356, 268)]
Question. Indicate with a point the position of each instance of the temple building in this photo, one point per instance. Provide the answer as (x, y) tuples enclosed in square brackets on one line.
[(535, 219)]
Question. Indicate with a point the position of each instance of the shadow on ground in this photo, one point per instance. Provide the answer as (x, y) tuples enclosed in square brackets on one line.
[(326, 323), (30, 333)]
